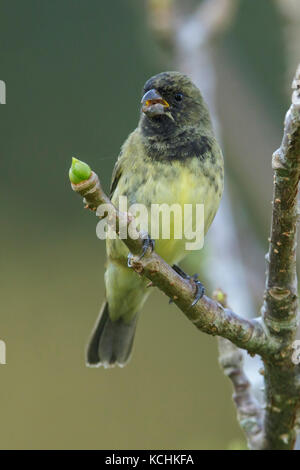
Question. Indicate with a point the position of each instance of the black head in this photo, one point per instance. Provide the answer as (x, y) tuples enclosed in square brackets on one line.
[(171, 102)]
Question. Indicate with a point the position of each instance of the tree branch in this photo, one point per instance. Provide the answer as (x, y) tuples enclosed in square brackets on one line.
[(280, 308), (207, 315), (249, 412)]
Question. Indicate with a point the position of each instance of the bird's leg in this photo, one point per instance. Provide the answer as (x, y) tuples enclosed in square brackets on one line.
[(200, 289), (147, 243)]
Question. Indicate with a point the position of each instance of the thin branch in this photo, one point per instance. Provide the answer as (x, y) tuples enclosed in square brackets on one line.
[(290, 10), (249, 411), (207, 315), (280, 308)]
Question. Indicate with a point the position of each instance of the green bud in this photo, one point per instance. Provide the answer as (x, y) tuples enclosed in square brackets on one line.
[(79, 171)]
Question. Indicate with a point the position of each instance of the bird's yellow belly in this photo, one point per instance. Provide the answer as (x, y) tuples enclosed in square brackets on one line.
[(193, 203), (186, 187)]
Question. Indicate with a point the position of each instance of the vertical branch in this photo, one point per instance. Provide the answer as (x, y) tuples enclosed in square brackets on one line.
[(280, 308)]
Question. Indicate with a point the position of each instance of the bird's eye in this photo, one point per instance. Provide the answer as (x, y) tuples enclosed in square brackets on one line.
[(178, 97)]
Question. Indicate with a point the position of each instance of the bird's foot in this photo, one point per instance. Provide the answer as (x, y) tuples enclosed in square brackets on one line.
[(147, 243), (200, 289)]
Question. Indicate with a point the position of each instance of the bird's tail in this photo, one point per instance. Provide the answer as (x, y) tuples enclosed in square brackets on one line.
[(111, 341)]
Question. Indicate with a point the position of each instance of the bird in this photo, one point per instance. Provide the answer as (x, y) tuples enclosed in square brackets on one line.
[(172, 157)]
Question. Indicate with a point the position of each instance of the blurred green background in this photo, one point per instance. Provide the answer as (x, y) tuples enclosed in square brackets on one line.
[(74, 71)]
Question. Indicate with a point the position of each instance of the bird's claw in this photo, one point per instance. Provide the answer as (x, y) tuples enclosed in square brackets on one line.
[(147, 242), (200, 289), (129, 258)]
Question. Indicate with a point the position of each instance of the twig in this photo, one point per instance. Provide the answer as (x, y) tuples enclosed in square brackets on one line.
[(207, 315), (280, 308)]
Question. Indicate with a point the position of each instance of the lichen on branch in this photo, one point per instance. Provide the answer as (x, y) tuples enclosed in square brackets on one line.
[(280, 308)]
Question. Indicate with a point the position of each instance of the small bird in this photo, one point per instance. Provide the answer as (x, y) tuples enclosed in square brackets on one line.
[(171, 157)]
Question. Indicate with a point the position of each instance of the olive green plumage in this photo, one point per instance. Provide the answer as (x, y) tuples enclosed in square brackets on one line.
[(172, 157)]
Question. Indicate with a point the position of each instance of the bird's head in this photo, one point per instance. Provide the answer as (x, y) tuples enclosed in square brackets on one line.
[(171, 102)]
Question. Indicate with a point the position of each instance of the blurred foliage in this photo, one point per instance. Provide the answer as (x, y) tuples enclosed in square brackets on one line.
[(256, 40), (74, 72)]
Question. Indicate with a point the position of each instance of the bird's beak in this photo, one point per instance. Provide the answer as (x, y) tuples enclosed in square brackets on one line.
[(153, 104)]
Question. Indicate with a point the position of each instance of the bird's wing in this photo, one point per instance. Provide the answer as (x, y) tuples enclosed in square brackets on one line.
[(116, 175), (124, 159)]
